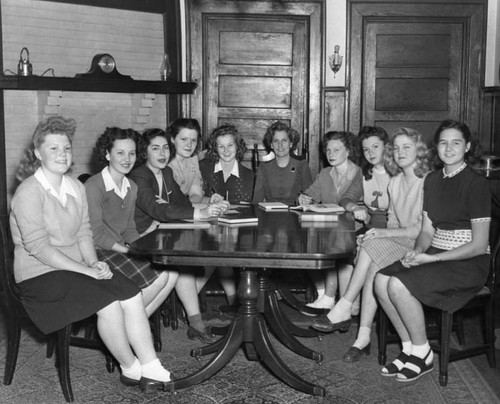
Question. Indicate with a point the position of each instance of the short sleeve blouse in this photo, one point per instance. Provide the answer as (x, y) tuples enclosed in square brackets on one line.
[(452, 203)]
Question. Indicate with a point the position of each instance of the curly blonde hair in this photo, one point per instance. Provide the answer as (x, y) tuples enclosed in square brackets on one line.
[(424, 164), (53, 125)]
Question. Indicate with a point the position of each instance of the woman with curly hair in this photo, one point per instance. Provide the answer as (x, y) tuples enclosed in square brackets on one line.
[(449, 262), (381, 247), (56, 266), (343, 175), (283, 178), (112, 197), (222, 172)]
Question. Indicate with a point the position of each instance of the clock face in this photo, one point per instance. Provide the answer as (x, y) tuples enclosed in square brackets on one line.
[(106, 63)]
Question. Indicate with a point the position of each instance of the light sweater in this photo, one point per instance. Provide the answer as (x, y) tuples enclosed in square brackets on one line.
[(40, 226)]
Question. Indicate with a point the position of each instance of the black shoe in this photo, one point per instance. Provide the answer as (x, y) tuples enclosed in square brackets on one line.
[(354, 353), (205, 337), (323, 324), (152, 385), (127, 381)]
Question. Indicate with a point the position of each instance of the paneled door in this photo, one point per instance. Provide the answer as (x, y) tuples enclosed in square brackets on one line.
[(258, 62), (415, 63), (413, 75)]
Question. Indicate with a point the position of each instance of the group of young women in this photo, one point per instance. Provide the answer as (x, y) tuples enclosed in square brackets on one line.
[(72, 256)]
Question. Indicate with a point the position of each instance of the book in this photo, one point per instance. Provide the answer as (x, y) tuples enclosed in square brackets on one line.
[(184, 224), (317, 217), (237, 219), (320, 208), (273, 205)]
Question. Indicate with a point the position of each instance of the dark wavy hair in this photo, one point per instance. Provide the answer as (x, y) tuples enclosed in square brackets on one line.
[(224, 130), (471, 156), (366, 167), (105, 142), (57, 125), (350, 142), (293, 135), (184, 123), (424, 163), (147, 136)]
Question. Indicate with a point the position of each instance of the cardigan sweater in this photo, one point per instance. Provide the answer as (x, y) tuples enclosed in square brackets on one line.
[(40, 225), (324, 190), (147, 209), (111, 217)]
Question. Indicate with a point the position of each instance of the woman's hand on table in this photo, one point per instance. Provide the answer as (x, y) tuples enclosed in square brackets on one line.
[(305, 199), (216, 198), (103, 271)]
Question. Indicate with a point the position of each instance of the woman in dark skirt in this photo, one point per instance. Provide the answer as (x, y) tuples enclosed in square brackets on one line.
[(56, 266), (450, 262)]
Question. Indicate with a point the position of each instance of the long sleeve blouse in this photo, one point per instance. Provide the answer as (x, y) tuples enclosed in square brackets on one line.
[(147, 209), (40, 225)]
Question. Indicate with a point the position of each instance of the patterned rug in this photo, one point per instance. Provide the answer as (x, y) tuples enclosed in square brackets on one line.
[(242, 381)]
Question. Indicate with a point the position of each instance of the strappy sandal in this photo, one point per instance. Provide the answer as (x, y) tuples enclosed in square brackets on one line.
[(414, 368), (393, 368)]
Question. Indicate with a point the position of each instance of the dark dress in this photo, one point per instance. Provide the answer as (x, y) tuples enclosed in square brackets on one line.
[(282, 184), (239, 189), (451, 204)]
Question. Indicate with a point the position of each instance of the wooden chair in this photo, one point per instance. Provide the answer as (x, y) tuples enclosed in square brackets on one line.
[(482, 304), (15, 314)]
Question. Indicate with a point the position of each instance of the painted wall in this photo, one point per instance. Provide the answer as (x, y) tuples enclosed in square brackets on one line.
[(65, 37)]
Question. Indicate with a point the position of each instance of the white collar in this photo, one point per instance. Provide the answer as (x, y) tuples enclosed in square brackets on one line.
[(458, 170), (66, 187), (235, 171), (110, 184)]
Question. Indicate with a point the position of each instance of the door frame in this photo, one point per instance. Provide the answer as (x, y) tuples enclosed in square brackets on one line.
[(200, 10), (471, 13)]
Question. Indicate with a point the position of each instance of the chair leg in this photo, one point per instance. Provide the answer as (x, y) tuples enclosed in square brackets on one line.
[(51, 343), (14, 337), (63, 336), (459, 328), (444, 355), (382, 326), (490, 334), (156, 329)]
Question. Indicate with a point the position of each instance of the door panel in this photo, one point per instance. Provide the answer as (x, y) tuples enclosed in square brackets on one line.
[(412, 74), (256, 69)]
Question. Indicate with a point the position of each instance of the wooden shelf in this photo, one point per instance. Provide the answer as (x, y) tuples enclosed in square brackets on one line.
[(107, 85)]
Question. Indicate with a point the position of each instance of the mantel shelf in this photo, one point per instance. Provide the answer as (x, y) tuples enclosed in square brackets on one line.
[(103, 85)]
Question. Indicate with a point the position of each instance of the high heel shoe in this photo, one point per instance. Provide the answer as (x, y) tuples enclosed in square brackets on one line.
[(152, 385), (205, 337), (324, 324)]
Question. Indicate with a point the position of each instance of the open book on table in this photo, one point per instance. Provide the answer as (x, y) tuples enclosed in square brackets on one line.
[(320, 208)]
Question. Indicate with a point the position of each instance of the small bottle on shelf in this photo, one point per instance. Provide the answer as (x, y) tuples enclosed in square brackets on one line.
[(165, 68)]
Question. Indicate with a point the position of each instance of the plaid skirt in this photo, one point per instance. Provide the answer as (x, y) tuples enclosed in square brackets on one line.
[(446, 285), (386, 250), (58, 298), (136, 268)]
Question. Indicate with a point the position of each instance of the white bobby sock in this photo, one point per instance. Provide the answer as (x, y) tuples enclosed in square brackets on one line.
[(154, 370), (133, 372)]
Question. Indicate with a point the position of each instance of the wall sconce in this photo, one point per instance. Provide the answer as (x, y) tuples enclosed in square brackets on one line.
[(335, 60)]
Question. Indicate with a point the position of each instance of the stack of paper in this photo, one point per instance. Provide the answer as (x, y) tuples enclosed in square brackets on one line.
[(273, 206)]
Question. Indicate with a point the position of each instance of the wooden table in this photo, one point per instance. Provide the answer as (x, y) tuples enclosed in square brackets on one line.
[(279, 241)]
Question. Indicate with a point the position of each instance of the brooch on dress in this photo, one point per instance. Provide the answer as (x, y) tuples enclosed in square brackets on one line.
[(292, 169)]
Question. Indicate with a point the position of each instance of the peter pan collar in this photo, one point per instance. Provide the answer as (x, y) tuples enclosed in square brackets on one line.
[(110, 184), (235, 171), (458, 170)]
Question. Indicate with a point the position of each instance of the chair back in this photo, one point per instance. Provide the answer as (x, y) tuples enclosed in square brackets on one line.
[(10, 296), (495, 254)]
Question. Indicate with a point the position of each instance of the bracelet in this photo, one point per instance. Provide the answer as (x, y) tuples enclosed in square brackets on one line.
[(437, 258)]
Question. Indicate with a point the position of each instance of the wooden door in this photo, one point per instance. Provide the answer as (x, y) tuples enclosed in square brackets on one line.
[(256, 63), (415, 63), (413, 75)]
